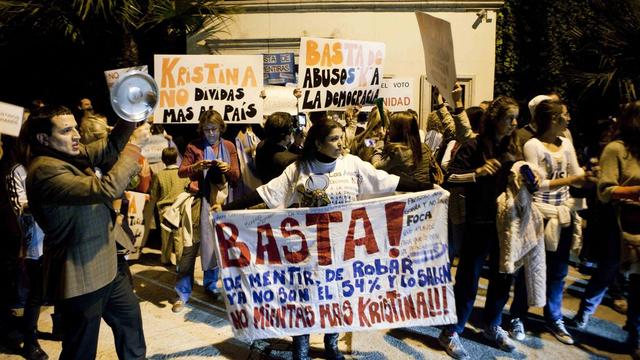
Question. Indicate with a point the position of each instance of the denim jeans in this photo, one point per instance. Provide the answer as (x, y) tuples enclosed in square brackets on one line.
[(557, 269), (480, 240), (602, 278), (185, 269)]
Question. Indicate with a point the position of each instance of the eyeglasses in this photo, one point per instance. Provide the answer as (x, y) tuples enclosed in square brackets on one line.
[(210, 130)]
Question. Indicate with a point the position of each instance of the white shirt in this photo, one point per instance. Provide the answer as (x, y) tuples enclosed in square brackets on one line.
[(346, 179), (552, 165)]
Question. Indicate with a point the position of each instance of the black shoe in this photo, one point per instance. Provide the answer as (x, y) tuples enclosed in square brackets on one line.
[(331, 351), (214, 295), (34, 352), (57, 332), (301, 347)]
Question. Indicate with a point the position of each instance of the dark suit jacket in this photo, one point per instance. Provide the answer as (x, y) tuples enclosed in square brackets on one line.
[(73, 207)]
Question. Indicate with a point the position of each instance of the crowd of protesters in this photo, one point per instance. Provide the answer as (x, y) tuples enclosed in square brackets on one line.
[(56, 171)]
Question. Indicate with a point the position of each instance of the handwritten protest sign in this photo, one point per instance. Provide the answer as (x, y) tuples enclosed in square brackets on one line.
[(397, 94), (437, 43), (338, 73), (192, 84), (373, 264), (279, 98), (136, 221), (152, 150), (10, 119), (279, 68), (112, 76)]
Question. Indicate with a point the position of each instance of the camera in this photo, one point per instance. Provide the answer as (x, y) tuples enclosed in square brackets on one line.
[(529, 178)]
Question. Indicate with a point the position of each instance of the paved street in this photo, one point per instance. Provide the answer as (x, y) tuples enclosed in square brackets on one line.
[(202, 331)]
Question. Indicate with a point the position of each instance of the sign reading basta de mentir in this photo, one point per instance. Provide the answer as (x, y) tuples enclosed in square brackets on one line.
[(372, 264)]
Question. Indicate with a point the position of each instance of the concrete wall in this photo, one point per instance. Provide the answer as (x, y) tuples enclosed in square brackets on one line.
[(272, 32)]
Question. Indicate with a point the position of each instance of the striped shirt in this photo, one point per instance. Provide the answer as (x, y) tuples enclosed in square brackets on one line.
[(552, 165)]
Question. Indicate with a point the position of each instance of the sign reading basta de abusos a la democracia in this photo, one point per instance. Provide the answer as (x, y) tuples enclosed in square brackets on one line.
[(372, 264), (335, 73), (192, 84)]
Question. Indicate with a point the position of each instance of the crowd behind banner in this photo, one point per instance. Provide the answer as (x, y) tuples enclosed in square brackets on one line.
[(278, 204)]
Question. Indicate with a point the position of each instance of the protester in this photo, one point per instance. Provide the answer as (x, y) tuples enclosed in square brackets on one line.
[(246, 144), (73, 207), (93, 127), (31, 252), (555, 157), (343, 178), (619, 183), (272, 154), (405, 154), (371, 139), (211, 163), (482, 165), (166, 185)]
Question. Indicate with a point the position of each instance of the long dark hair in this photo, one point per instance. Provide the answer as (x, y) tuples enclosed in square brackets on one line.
[(489, 125), (317, 133), (629, 128), (403, 128)]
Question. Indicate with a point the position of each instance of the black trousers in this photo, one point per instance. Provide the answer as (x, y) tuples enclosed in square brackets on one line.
[(118, 306), (34, 299)]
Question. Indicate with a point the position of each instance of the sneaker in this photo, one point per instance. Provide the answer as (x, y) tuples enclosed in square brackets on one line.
[(177, 306), (214, 295), (517, 329), (560, 332), (499, 337), (581, 320), (620, 305), (452, 345)]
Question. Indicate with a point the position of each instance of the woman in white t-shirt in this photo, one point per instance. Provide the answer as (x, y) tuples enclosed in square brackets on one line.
[(556, 159), (325, 175)]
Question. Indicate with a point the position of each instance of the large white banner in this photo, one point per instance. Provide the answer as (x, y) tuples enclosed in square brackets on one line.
[(437, 43), (192, 84), (374, 264), (335, 73)]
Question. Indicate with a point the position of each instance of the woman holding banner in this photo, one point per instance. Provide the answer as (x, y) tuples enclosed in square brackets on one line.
[(325, 175), (482, 166)]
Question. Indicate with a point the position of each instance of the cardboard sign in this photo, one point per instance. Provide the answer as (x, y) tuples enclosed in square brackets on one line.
[(137, 202), (372, 264), (397, 94), (279, 98), (338, 73), (11, 117), (437, 43), (279, 68), (152, 150), (192, 84), (112, 76)]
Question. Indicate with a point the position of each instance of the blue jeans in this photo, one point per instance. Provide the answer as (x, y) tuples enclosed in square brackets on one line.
[(557, 269), (602, 278), (480, 240), (185, 269)]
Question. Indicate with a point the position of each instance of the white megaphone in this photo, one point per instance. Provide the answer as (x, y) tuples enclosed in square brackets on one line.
[(134, 96)]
